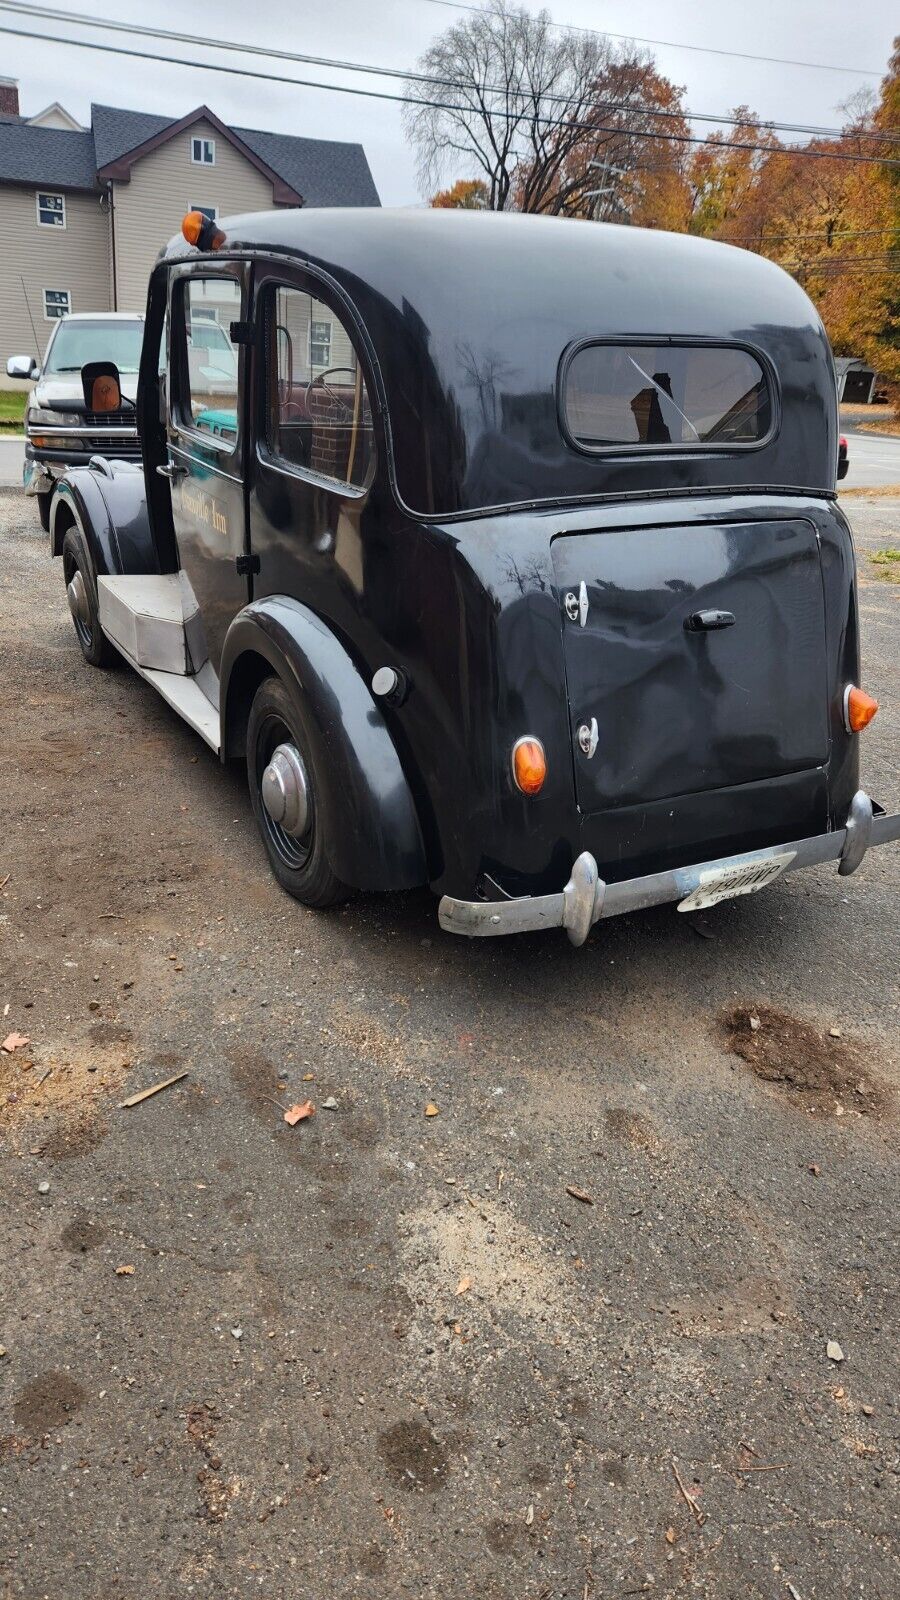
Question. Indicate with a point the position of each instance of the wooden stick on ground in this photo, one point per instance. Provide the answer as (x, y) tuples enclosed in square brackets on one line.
[(698, 1515), (144, 1094)]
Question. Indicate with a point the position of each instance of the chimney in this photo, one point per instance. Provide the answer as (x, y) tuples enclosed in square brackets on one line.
[(9, 97)]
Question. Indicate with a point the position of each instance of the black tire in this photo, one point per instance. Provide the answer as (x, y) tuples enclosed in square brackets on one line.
[(300, 865), (43, 501), (95, 647)]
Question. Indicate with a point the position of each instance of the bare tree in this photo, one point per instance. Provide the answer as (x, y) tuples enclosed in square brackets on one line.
[(552, 119)]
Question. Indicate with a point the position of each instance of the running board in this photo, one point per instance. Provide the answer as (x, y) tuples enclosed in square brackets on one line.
[(186, 697), (154, 620)]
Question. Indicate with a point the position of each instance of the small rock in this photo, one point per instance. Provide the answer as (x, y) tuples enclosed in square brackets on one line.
[(431, 1109), (330, 1104), (3, 1353), (755, 1024), (237, 1333), (868, 1411), (44, 1188), (834, 1351), (835, 1033)]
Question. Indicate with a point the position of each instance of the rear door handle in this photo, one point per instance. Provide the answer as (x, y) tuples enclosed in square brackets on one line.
[(706, 621), (172, 470)]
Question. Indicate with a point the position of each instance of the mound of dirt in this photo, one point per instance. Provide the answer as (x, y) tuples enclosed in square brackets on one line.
[(822, 1072)]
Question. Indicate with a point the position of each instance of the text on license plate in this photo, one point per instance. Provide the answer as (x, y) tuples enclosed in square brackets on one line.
[(723, 883)]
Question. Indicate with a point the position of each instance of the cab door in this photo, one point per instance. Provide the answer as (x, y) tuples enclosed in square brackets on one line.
[(206, 441)]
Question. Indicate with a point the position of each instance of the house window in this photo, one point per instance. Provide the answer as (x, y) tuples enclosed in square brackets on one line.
[(320, 344), (57, 303), (208, 211), (51, 210), (203, 152)]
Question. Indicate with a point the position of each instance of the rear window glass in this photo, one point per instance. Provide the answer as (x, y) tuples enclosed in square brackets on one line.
[(679, 396)]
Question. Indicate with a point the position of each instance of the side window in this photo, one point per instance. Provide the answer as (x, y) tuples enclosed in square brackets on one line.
[(319, 415), (210, 367)]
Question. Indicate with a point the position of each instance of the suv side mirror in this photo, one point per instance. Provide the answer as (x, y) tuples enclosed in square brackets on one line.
[(101, 387), (22, 367)]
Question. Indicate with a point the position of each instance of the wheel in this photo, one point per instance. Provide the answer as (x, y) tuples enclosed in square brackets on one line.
[(285, 794), (81, 592), (43, 501)]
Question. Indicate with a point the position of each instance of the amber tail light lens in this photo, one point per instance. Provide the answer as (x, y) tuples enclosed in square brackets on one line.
[(529, 765), (859, 709)]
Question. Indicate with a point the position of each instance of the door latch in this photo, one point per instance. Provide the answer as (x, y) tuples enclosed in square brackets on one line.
[(708, 621), (588, 737), (246, 565), (576, 605)]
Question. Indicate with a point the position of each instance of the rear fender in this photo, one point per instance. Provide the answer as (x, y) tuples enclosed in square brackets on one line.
[(108, 502), (377, 841)]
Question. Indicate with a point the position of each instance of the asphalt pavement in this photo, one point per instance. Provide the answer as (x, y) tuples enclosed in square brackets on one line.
[(575, 1285)]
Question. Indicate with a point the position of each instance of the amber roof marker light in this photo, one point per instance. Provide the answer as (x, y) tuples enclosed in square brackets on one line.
[(529, 765), (202, 231), (859, 708)]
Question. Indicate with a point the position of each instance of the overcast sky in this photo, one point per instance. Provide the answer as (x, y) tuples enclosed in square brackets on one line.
[(855, 37)]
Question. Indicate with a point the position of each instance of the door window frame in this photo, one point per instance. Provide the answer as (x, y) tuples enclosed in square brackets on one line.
[(267, 282), (188, 438)]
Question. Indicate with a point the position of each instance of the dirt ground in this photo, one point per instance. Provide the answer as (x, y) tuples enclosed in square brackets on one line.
[(566, 1338)]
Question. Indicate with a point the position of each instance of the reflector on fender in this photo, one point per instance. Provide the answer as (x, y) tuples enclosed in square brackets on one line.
[(529, 765), (859, 708)]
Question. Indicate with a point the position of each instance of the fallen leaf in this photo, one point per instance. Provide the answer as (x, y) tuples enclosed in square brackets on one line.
[(464, 1285), (671, 1536), (14, 1041), (125, 1272), (431, 1109), (834, 1351), (579, 1194), (295, 1114)]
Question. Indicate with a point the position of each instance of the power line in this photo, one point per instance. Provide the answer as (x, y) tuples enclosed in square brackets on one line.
[(381, 94), (111, 25), (673, 44)]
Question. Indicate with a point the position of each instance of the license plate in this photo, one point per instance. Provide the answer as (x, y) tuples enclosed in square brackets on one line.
[(724, 883)]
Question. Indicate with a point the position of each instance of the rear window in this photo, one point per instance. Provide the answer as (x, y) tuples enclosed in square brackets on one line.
[(665, 396)]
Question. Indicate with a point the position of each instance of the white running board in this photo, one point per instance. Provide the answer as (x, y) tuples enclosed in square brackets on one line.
[(186, 697), (154, 620)]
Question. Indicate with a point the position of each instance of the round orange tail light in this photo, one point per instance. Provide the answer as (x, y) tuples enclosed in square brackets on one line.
[(859, 709), (529, 765)]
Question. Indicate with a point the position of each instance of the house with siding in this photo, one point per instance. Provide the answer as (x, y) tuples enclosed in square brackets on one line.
[(83, 211)]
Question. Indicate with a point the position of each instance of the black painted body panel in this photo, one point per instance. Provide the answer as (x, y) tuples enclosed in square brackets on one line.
[(110, 504)]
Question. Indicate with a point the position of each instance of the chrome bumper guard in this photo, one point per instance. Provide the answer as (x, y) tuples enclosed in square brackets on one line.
[(586, 899)]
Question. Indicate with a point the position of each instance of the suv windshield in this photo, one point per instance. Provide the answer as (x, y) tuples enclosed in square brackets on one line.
[(79, 342)]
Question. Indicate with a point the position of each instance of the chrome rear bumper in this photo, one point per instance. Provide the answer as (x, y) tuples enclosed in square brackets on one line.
[(586, 899)]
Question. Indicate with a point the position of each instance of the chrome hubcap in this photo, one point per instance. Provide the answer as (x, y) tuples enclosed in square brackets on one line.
[(78, 600), (285, 790)]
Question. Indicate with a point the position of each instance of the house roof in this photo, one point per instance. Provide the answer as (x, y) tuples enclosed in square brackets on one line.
[(46, 155), (312, 172)]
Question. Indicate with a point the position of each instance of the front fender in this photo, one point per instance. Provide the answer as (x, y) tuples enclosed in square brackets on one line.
[(108, 502), (378, 843)]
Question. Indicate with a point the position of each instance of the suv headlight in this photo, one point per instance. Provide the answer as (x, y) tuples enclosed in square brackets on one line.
[(40, 417)]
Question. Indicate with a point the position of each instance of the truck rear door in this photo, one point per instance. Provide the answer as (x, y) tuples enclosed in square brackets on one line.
[(695, 657)]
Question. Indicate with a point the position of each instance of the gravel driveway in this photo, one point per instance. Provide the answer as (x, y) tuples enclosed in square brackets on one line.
[(565, 1338)]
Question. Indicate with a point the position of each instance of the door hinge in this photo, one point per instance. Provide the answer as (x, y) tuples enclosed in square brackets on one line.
[(241, 332), (247, 566)]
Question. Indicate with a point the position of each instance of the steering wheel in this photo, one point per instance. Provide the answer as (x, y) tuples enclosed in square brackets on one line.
[(321, 382)]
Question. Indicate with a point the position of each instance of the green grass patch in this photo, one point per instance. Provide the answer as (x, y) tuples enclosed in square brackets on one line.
[(12, 410), (887, 564)]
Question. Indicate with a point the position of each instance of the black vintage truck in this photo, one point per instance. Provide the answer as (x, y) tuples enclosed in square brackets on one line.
[(504, 550)]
